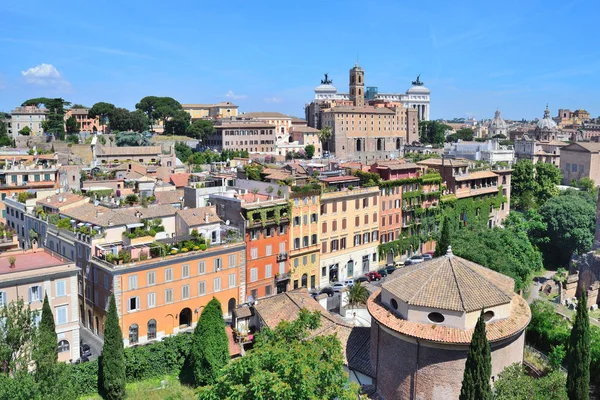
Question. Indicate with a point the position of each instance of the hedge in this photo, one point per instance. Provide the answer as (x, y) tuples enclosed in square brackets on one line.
[(142, 362)]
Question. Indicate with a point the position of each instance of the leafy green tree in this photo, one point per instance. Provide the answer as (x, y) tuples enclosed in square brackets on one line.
[(433, 132), (103, 111), (131, 139), (72, 125), (183, 151), (25, 131), (253, 171), (77, 106), (547, 178), (588, 185), (514, 384), (120, 120), (570, 223), (139, 121), (286, 363), (131, 199), (176, 122), (556, 356), (357, 295), (309, 150), (18, 334), (523, 185), (578, 354), (112, 360), (210, 347), (201, 129), (166, 108), (324, 136), (73, 138), (441, 247), (45, 352), (478, 368), (55, 117)]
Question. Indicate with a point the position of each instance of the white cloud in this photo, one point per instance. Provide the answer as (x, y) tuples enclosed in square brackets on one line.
[(234, 96), (44, 75), (272, 100)]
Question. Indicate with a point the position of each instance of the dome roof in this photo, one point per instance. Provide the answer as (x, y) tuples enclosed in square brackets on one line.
[(546, 122), (450, 283), (498, 122), (325, 88), (418, 89)]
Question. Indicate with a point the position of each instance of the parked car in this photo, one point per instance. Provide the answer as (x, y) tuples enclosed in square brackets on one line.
[(349, 282), (399, 264), (417, 258), (361, 279), (328, 291), (338, 286), (81, 360), (427, 256), (383, 272), (390, 270), (85, 350), (373, 276)]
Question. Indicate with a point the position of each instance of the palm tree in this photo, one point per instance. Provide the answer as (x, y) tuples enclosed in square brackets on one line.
[(357, 295), (324, 135)]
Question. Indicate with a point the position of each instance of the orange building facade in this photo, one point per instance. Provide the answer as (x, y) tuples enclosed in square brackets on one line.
[(267, 235), (164, 296)]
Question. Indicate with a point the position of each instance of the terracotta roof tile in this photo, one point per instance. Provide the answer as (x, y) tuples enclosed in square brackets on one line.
[(179, 180), (168, 197), (197, 216)]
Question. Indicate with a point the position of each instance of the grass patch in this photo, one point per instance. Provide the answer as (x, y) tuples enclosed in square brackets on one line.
[(535, 360), (151, 390), (162, 138)]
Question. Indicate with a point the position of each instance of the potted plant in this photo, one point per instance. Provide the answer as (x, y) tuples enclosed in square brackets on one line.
[(12, 261)]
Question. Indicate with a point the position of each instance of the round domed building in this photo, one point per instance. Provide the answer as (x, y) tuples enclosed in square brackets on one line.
[(422, 320), (497, 126)]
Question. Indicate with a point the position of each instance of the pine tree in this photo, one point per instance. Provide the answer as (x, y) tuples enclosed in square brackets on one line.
[(578, 355), (210, 345), (45, 352), (112, 362), (478, 368), (441, 247)]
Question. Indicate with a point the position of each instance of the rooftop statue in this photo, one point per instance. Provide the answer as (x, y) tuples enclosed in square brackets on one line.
[(326, 81), (418, 81)]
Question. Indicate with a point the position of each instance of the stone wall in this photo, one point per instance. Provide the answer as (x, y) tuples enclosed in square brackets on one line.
[(409, 370)]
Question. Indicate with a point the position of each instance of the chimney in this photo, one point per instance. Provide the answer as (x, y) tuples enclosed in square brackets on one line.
[(206, 218)]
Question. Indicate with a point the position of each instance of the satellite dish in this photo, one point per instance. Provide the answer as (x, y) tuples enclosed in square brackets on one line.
[(227, 222)]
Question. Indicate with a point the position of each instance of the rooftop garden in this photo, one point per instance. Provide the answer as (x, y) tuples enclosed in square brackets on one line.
[(150, 228)]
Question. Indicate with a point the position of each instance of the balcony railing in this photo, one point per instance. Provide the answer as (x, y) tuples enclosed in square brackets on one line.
[(282, 257)]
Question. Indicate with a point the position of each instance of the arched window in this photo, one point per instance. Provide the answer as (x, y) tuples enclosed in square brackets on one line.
[(133, 334), (398, 144), (359, 79), (304, 280), (63, 346), (379, 144), (152, 329), (358, 145)]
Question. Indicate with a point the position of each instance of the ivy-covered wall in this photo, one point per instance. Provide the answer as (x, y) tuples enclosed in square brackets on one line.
[(263, 214)]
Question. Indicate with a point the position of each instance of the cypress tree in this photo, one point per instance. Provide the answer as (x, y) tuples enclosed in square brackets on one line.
[(112, 362), (45, 352), (478, 368), (441, 247), (578, 355), (210, 345)]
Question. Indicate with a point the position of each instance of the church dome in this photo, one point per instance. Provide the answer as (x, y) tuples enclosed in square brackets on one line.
[(418, 89), (326, 88), (498, 122), (547, 122)]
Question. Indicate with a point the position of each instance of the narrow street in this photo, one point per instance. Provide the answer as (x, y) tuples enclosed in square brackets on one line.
[(94, 341)]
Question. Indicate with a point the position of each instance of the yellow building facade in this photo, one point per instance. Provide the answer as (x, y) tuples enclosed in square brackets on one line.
[(304, 239)]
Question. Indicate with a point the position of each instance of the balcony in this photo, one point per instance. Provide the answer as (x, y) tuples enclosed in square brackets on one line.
[(282, 257)]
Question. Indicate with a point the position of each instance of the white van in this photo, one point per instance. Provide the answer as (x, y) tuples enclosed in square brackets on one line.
[(349, 282)]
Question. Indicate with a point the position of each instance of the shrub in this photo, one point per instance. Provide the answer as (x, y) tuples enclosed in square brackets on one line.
[(184, 250), (196, 247), (202, 247)]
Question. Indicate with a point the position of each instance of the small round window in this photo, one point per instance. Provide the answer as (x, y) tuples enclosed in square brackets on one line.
[(488, 315), (394, 304), (436, 317)]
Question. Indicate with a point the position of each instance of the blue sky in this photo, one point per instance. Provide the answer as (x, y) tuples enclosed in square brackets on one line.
[(269, 55)]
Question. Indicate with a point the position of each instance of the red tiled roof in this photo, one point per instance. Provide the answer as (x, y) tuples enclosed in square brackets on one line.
[(335, 179), (179, 180), (29, 260)]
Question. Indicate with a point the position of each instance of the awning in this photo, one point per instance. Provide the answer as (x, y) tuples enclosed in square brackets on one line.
[(136, 225), (80, 224)]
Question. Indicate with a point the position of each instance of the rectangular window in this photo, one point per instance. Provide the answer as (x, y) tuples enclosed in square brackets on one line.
[(133, 283), (231, 260), (218, 264), (185, 271), (324, 247), (105, 281), (357, 204), (231, 280), (342, 243), (62, 315), (217, 284), (334, 207), (151, 300), (357, 221), (374, 236), (269, 250), (305, 241), (296, 263), (313, 239), (366, 202), (357, 240), (574, 168), (366, 237), (305, 219), (282, 268), (323, 209), (254, 253), (169, 296), (313, 217), (323, 272), (334, 245), (296, 221), (253, 274), (61, 288), (568, 167), (324, 227), (296, 243), (185, 292), (2, 299), (344, 205), (201, 267), (374, 257), (268, 270), (201, 288), (313, 258), (134, 303), (35, 293), (168, 274), (151, 278)]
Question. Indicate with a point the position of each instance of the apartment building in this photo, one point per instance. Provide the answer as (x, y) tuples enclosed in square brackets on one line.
[(30, 116), (223, 109), (461, 182), (305, 135), (349, 219), (86, 123), (282, 123), (252, 136), (304, 241), (35, 273), (580, 160), (165, 295), (23, 173)]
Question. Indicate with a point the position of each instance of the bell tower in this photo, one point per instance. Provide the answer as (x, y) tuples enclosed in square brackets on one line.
[(357, 86)]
